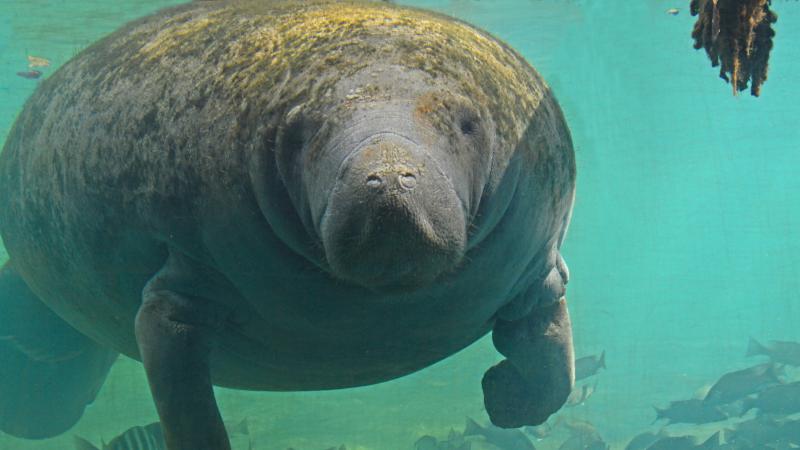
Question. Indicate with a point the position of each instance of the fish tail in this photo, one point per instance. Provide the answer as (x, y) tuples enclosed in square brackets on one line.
[(755, 348), (36, 348), (712, 441), (602, 362), (83, 444), (776, 371), (472, 428), (242, 427), (659, 414)]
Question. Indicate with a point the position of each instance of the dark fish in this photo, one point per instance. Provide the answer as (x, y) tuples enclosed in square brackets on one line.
[(693, 411), (580, 394), (148, 437), (426, 442), (782, 352), (584, 442), (589, 365), (510, 439), (30, 74), (539, 431), (777, 399), (763, 432), (685, 443), (583, 436), (736, 385), (642, 441)]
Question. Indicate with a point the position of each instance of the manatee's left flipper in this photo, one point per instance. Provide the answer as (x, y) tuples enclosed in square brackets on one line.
[(539, 372), (49, 372), (175, 331)]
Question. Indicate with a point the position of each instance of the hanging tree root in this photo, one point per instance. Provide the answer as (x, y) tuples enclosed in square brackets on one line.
[(737, 36)]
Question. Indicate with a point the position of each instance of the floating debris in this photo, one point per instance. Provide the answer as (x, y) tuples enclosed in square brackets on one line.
[(737, 36), (36, 61), (30, 74)]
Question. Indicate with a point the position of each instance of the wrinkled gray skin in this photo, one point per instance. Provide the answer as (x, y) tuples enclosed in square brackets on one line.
[(356, 216)]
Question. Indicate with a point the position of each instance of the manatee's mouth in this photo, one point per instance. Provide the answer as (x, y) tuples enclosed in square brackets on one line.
[(393, 220)]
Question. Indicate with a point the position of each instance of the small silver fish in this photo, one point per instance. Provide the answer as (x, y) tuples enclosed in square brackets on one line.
[(589, 365), (580, 394), (673, 11)]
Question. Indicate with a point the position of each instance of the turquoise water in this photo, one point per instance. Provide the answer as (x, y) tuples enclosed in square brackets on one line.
[(685, 239)]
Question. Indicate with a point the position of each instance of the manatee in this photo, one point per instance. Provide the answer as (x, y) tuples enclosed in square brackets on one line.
[(275, 195)]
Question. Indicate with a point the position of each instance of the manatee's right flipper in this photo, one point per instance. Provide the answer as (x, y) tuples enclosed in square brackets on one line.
[(49, 372), (176, 328)]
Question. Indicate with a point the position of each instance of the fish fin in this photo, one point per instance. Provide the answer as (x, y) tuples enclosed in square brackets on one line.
[(36, 348), (602, 361), (472, 428), (777, 371), (747, 404), (755, 348), (712, 441), (240, 427), (83, 444), (659, 414)]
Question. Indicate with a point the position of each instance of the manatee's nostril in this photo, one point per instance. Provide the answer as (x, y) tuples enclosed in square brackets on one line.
[(374, 181), (407, 181)]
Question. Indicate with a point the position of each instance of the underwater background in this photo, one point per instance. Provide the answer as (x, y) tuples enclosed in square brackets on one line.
[(685, 239)]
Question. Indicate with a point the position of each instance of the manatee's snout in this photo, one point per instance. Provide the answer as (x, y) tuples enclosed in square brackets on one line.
[(393, 218)]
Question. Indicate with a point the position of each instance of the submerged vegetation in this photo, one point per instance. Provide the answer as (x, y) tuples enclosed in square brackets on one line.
[(737, 36)]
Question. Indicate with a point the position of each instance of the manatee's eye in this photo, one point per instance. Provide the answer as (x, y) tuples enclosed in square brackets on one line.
[(468, 126), (468, 122)]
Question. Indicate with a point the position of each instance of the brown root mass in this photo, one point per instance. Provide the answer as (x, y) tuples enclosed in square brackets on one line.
[(737, 36)]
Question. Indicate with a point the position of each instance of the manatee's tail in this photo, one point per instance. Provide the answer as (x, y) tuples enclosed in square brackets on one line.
[(48, 371), (755, 348)]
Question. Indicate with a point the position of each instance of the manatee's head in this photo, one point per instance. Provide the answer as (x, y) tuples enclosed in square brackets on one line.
[(387, 171)]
